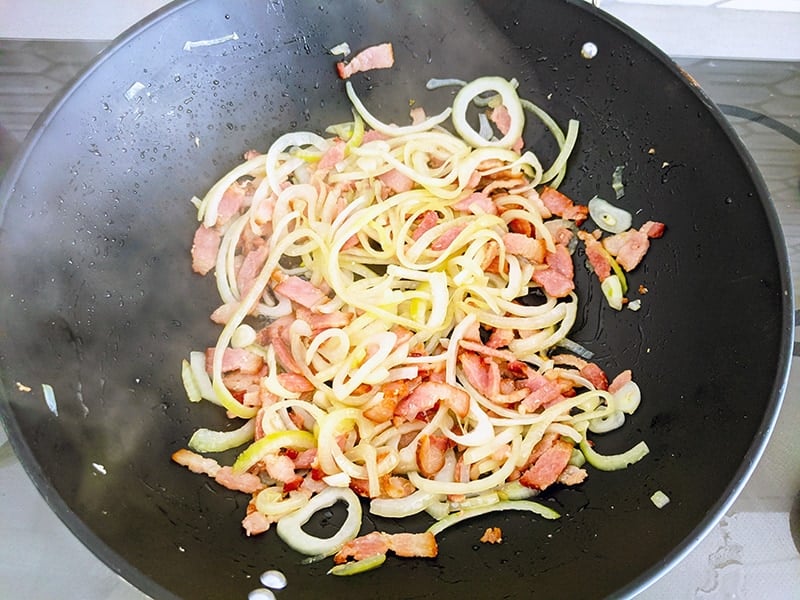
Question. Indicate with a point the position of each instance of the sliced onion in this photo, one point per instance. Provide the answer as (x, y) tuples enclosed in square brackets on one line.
[(197, 360), (612, 290), (659, 499), (358, 566), (616, 181), (527, 505), (397, 508), (609, 217), (271, 501), (290, 527), (609, 423), (510, 100), (434, 83), (189, 383), (269, 444), (392, 130), (243, 336), (207, 440), (628, 397), (613, 462), (276, 174)]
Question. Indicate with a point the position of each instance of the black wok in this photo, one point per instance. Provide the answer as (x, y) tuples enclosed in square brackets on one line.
[(98, 300)]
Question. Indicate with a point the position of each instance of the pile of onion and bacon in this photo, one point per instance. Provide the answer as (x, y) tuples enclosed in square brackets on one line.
[(395, 306)]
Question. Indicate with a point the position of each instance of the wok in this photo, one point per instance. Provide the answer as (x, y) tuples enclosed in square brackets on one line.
[(98, 300)]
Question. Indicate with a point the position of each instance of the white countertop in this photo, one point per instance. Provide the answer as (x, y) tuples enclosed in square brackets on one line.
[(707, 28)]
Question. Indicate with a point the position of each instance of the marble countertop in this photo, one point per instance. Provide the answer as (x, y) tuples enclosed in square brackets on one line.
[(749, 554)]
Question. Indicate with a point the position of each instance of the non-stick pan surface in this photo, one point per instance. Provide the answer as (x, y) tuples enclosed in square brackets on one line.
[(98, 300)]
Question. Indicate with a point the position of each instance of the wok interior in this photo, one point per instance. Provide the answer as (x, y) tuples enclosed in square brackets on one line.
[(100, 302)]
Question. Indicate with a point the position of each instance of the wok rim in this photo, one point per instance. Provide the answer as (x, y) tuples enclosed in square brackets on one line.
[(122, 567)]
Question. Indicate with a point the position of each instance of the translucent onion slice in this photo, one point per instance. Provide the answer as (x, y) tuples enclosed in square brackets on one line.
[(207, 440), (609, 423), (628, 397), (510, 100), (358, 566), (392, 130), (609, 217), (613, 462), (397, 508), (612, 290), (290, 527), (270, 444), (463, 515)]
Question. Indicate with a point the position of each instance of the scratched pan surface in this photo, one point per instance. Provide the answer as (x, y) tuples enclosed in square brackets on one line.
[(98, 300)]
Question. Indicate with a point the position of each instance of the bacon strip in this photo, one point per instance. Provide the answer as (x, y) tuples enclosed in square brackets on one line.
[(204, 249), (421, 545), (380, 56), (239, 482)]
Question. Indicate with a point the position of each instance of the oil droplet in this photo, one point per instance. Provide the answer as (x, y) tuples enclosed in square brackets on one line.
[(589, 50), (273, 579), (261, 594)]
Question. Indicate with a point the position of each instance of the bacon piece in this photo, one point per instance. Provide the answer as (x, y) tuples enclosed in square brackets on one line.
[(300, 291), (251, 268), (572, 475), (597, 255), (653, 229), (545, 443), (492, 535), (477, 203), (280, 467), (619, 381), (231, 202), (421, 545), (365, 546), (396, 181), (255, 523), (484, 350), (543, 392), (204, 249), (556, 279), (427, 394), (239, 482), (196, 463), (482, 373), (235, 359), (294, 382), (409, 545), (224, 313), (305, 459), (391, 486), (277, 335), (629, 247), (547, 468), (563, 206), (322, 321), (595, 375), (431, 454), (501, 117), (332, 156), (443, 241), (373, 135), (417, 115), (380, 56), (382, 409), (428, 220), (535, 250), (396, 487)]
